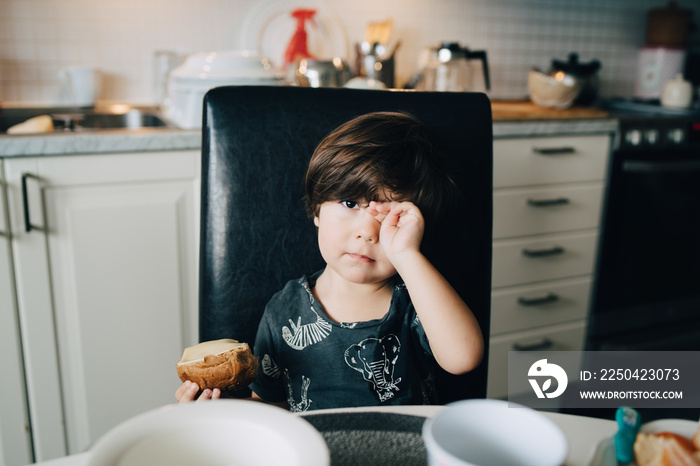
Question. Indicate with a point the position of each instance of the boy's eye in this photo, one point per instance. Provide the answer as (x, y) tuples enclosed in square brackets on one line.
[(350, 204)]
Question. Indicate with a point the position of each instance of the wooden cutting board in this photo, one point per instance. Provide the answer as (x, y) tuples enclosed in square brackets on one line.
[(524, 110)]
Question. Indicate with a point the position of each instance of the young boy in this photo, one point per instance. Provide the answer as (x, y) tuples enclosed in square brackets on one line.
[(368, 328)]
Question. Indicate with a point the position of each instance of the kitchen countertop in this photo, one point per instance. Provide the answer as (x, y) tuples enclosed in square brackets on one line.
[(511, 119)]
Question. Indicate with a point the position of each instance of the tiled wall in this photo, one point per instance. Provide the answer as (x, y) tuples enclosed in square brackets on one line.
[(39, 37)]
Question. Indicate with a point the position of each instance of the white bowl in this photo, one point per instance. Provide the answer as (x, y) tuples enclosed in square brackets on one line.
[(493, 433), (557, 91), (218, 432), (224, 66)]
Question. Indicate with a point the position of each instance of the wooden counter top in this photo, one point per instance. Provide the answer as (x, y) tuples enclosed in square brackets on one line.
[(525, 110)]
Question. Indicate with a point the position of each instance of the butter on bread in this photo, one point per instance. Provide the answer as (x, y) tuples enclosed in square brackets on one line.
[(224, 364)]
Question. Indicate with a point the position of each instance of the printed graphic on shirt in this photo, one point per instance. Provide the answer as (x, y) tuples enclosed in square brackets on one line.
[(304, 403), (300, 336), (348, 324), (375, 359), (269, 367)]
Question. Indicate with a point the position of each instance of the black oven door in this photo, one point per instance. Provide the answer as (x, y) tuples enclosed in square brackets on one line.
[(647, 280)]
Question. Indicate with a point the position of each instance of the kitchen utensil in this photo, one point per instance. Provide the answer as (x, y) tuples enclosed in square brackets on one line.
[(677, 93), (83, 84), (554, 91), (454, 68), (200, 72), (655, 66), (668, 26), (213, 433), (376, 62), (379, 32), (585, 73), (493, 432), (318, 73), (375, 55)]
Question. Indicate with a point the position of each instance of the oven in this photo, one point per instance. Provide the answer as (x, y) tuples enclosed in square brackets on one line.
[(646, 288)]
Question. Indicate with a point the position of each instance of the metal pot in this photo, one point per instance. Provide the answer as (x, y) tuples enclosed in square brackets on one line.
[(318, 73)]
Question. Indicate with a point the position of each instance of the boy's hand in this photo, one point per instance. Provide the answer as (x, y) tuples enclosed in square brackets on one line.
[(402, 226), (188, 391)]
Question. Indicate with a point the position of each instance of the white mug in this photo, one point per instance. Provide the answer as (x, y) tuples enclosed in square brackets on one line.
[(83, 83), (677, 93)]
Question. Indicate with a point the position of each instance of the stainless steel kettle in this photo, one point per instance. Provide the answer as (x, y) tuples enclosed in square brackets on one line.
[(452, 68)]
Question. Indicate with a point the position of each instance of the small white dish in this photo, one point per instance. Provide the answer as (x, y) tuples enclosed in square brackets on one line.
[(493, 432), (218, 432), (604, 453)]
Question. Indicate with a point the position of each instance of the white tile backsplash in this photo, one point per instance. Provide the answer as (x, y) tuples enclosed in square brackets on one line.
[(39, 37)]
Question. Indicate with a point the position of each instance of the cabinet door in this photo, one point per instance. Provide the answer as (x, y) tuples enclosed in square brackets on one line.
[(114, 244), (15, 440)]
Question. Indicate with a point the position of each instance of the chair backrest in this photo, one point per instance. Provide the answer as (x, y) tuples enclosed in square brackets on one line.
[(255, 235)]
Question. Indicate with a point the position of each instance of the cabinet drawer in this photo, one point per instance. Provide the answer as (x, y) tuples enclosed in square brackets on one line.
[(547, 160), (566, 337), (522, 308), (546, 210), (542, 258)]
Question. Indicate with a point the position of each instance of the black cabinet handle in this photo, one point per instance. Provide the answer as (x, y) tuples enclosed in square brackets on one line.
[(539, 301), (546, 343), (553, 251), (554, 150), (548, 202), (25, 202)]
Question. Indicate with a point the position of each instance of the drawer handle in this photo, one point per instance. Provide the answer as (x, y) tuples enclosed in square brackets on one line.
[(553, 251), (554, 150), (28, 227), (546, 343), (539, 301), (548, 202)]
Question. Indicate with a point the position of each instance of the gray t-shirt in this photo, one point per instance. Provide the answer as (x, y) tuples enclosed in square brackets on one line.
[(313, 362)]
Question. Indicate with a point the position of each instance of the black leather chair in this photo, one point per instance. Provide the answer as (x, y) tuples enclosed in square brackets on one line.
[(255, 235)]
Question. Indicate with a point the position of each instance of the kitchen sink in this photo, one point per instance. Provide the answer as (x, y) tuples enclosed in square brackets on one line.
[(88, 119)]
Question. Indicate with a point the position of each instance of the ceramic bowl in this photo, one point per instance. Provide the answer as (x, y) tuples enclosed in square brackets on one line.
[(218, 432), (493, 433), (554, 91)]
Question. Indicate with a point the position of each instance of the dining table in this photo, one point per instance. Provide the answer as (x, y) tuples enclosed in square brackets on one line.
[(586, 436)]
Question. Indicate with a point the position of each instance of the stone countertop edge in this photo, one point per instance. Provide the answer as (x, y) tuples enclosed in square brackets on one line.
[(100, 142), (180, 139)]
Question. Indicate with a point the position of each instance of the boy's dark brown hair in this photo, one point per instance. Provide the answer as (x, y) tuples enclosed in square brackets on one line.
[(375, 152)]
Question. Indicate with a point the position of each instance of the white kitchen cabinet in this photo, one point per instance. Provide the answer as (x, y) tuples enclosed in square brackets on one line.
[(15, 439), (106, 281), (548, 193)]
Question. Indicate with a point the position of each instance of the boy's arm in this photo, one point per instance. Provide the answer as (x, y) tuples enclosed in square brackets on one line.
[(454, 334)]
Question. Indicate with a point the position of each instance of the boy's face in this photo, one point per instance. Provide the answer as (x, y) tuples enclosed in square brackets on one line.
[(348, 238)]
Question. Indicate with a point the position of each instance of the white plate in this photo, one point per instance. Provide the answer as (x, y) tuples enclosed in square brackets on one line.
[(604, 454), (219, 432), (268, 27)]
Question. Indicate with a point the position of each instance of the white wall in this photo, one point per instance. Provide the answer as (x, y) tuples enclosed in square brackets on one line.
[(39, 37)]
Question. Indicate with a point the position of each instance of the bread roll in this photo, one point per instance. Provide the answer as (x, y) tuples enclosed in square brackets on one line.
[(223, 364)]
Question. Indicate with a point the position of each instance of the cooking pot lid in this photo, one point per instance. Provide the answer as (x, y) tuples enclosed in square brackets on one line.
[(575, 67), (222, 65)]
